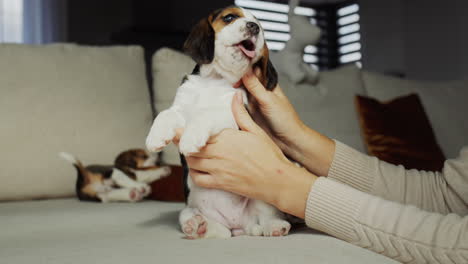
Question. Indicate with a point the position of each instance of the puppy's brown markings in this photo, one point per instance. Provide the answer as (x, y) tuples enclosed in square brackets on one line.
[(216, 20), (91, 178), (131, 160), (269, 77)]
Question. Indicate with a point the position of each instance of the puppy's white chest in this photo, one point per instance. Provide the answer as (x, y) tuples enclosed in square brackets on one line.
[(211, 92)]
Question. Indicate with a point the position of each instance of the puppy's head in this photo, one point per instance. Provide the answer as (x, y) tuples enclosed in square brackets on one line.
[(228, 42), (135, 159)]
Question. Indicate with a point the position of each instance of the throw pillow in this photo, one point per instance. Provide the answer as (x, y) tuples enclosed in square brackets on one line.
[(444, 102), (399, 132), (170, 188)]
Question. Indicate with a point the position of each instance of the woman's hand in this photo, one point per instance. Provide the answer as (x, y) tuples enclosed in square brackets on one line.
[(273, 112), (247, 162), (278, 118)]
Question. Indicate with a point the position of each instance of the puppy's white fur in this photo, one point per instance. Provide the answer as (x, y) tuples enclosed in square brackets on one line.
[(203, 107)]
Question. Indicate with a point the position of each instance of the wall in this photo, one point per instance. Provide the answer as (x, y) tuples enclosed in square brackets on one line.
[(423, 39), (433, 35), (92, 21), (382, 35), (174, 15)]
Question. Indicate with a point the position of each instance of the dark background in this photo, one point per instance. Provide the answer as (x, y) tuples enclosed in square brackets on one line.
[(419, 39), (159, 22)]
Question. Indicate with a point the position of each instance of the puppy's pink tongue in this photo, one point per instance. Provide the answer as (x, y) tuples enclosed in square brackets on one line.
[(248, 53)]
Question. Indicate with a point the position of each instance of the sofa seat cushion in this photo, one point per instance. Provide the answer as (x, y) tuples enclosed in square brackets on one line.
[(90, 101), (67, 231), (444, 102)]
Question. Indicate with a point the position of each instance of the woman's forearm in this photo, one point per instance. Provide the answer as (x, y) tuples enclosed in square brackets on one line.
[(292, 192), (312, 150), (402, 232)]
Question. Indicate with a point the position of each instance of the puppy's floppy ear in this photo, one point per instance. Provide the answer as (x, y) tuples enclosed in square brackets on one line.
[(269, 77), (126, 159), (200, 42)]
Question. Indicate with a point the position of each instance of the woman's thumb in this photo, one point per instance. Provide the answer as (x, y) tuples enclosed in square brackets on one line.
[(243, 119), (254, 86)]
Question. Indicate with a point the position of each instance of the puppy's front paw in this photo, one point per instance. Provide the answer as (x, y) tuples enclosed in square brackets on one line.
[(163, 131), (195, 227), (165, 171), (276, 227), (193, 140), (134, 195), (143, 190)]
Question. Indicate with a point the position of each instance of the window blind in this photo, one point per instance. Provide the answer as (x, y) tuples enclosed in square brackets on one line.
[(11, 21), (274, 19), (349, 36)]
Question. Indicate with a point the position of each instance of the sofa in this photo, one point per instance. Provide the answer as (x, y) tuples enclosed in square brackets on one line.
[(95, 102)]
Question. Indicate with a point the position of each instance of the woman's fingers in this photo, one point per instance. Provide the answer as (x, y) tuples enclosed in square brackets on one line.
[(237, 84), (202, 179), (278, 91), (255, 87), (243, 119), (200, 164), (258, 72)]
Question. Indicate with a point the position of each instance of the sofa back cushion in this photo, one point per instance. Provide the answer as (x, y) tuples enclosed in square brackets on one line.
[(90, 101), (444, 102), (328, 106), (169, 68)]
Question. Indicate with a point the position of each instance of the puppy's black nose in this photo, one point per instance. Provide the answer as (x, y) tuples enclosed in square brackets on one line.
[(253, 28)]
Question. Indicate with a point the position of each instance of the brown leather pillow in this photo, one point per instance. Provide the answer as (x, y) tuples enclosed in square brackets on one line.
[(399, 132), (170, 188)]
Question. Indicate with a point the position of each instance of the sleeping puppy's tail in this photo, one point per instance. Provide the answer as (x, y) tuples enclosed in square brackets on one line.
[(76, 162), (82, 175)]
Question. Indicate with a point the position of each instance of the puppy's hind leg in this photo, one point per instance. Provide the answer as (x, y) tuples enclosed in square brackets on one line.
[(120, 195), (124, 181), (271, 220), (195, 225)]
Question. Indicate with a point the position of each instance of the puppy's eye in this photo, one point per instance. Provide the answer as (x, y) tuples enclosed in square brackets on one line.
[(229, 18)]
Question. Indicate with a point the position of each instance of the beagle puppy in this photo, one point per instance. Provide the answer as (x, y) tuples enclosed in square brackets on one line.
[(225, 45), (126, 180)]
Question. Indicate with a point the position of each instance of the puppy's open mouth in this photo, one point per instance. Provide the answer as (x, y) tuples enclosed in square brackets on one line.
[(248, 47)]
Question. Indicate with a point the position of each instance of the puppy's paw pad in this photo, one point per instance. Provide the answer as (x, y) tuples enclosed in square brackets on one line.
[(276, 228), (195, 227), (143, 189), (135, 195)]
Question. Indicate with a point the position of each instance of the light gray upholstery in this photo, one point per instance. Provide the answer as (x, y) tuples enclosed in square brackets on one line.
[(328, 106), (90, 101), (84, 116), (67, 231)]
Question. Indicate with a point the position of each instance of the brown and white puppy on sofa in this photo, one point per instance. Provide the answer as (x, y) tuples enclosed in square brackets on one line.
[(225, 45), (126, 180)]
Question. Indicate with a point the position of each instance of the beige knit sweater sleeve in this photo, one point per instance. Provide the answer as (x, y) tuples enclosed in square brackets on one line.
[(411, 216)]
